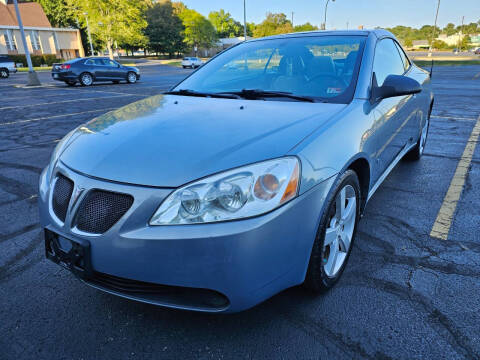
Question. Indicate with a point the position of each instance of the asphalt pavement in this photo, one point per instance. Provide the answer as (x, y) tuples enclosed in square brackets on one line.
[(404, 294)]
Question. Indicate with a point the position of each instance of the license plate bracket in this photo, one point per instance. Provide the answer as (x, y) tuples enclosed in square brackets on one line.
[(74, 255)]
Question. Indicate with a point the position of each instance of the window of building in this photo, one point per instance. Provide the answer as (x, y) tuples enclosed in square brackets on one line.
[(35, 40), (10, 40), (55, 41)]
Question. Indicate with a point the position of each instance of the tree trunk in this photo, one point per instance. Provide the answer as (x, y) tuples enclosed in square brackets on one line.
[(110, 52)]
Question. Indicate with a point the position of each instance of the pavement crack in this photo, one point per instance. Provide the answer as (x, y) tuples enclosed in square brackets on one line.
[(25, 229), (18, 188), (9, 269), (439, 321)]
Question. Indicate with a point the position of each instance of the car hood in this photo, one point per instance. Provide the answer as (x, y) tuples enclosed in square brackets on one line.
[(169, 140)]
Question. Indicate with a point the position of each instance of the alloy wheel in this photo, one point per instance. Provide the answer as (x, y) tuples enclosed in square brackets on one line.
[(132, 77), (3, 74), (338, 235), (87, 79)]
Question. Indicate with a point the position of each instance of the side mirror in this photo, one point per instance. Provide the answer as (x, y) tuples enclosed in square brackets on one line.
[(119, 65), (394, 85)]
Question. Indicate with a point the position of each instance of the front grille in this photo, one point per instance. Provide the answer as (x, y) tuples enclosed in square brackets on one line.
[(61, 196), (100, 210), (163, 294)]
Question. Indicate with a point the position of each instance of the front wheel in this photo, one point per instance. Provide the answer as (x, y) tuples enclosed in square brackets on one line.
[(4, 73), (336, 233), (131, 77)]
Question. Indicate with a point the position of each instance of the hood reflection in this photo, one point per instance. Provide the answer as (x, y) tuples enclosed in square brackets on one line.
[(132, 111)]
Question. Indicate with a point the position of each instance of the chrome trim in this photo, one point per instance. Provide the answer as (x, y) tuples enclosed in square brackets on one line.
[(58, 222)]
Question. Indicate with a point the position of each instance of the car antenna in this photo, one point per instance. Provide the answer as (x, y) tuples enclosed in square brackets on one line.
[(431, 69)]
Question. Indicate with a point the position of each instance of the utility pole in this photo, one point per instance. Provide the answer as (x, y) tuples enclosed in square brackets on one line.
[(89, 35), (32, 75), (434, 29), (325, 16), (292, 19), (244, 20), (347, 25), (461, 36)]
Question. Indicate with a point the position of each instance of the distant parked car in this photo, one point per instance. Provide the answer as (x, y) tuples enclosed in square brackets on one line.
[(191, 62), (455, 51), (88, 70), (7, 66), (477, 51)]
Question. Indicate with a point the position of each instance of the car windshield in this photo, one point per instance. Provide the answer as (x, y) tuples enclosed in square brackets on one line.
[(319, 67)]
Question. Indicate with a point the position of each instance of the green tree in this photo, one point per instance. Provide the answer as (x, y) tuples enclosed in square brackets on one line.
[(439, 44), (56, 11), (164, 29), (449, 29), (120, 21), (225, 25), (305, 27), (272, 25), (199, 32)]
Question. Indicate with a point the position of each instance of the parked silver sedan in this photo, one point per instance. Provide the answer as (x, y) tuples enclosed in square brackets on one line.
[(248, 177)]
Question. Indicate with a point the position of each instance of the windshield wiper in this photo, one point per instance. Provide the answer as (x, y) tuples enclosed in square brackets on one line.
[(187, 92), (252, 94)]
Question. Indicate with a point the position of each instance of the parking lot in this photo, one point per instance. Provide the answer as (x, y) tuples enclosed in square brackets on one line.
[(405, 294)]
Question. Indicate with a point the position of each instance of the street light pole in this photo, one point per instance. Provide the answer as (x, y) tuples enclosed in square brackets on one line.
[(244, 20), (461, 36), (434, 29), (325, 16), (89, 36), (32, 75)]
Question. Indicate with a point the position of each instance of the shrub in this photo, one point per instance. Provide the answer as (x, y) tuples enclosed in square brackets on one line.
[(37, 60)]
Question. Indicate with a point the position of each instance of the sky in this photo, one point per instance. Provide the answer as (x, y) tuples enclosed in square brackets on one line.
[(369, 13)]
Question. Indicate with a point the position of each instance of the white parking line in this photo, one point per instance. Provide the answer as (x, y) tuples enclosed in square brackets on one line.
[(55, 116), (444, 219), (98, 91), (66, 101)]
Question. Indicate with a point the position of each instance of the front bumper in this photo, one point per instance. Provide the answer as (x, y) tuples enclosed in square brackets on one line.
[(246, 261)]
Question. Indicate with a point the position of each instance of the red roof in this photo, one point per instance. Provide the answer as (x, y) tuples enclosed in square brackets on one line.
[(32, 15)]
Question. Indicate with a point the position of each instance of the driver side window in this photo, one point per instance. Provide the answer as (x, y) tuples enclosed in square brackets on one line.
[(387, 61)]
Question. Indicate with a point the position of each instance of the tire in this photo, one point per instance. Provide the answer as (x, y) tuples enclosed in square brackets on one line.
[(325, 268), (86, 79), (70, 83), (416, 153), (131, 77), (4, 73)]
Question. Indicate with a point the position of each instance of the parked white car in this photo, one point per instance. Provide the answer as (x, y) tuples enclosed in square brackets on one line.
[(7, 66), (191, 62)]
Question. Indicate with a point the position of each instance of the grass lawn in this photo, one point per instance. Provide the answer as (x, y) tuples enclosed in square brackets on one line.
[(36, 68), (423, 63), (172, 62)]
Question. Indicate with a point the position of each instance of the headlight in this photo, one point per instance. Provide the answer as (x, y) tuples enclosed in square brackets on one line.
[(240, 193)]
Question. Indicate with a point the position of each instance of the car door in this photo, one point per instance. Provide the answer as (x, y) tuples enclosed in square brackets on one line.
[(101, 71), (115, 70), (392, 115)]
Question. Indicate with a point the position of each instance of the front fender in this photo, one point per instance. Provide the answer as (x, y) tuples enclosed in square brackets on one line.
[(332, 148)]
